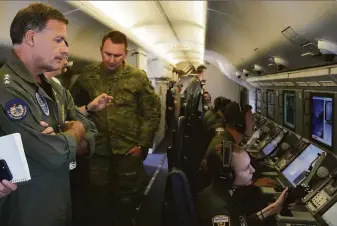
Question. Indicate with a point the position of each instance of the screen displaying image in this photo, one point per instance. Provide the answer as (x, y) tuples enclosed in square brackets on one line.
[(289, 110), (296, 171), (321, 120), (270, 109), (258, 101), (330, 216), (269, 148)]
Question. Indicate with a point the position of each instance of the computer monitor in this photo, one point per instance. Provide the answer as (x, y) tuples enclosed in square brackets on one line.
[(322, 118), (295, 172), (330, 216), (269, 148), (289, 109), (258, 101), (270, 104)]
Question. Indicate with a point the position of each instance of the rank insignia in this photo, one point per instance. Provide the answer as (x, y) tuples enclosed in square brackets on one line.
[(43, 104), (221, 220), (16, 109)]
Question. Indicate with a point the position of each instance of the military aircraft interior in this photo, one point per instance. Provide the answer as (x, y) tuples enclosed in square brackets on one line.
[(279, 57)]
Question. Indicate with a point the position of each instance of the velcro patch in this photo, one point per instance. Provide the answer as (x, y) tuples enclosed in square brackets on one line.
[(221, 220), (16, 109)]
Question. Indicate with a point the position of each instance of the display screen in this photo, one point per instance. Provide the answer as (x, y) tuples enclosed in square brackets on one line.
[(322, 119), (269, 148), (258, 101), (296, 171), (271, 106), (330, 216), (289, 110)]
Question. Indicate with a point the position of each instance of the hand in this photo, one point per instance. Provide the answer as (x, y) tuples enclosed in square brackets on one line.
[(278, 204), (135, 151), (169, 108), (6, 187), (76, 129), (99, 103), (48, 130)]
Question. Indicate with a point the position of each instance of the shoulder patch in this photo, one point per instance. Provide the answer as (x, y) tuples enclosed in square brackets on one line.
[(16, 109), (221, 220), (43, 104)]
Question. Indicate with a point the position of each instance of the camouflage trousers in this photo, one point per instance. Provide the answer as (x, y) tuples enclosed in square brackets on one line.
[(117, 185)]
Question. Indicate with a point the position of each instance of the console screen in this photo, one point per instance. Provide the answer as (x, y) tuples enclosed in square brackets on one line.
[(269, 148), (295, 172), (321, 123)]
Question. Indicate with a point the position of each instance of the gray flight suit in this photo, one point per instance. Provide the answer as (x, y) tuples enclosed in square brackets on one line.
[(45, 199)]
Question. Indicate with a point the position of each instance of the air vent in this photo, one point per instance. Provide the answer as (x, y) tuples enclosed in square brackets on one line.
[(293, 37), (327, 83), (313, 84), (301, 84), (290, 84)]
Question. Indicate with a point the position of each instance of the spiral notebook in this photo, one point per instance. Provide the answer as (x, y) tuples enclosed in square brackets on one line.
[(11, 150)]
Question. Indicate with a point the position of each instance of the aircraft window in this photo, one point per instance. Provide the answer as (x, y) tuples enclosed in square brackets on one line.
[(330, 216), (295, 172), (289, 110), (322, 120)]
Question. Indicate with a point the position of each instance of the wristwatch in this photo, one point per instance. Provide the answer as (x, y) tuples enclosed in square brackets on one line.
[(87, 109)]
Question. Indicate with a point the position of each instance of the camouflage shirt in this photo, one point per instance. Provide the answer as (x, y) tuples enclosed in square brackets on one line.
[(134, 116)]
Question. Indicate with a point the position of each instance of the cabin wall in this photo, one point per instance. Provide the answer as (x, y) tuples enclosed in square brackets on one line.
[(217, 84)]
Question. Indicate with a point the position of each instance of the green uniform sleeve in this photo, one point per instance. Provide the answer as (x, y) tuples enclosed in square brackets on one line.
[(52, 151), (149, 108), (75, 114)]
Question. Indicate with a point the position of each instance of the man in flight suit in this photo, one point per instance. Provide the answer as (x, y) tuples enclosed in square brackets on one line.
[(79, 176), (218, 204), (126, 131), (28, 105)]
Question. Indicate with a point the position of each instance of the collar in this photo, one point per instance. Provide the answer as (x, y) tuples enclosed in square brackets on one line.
[(19, 68), (123, 69)]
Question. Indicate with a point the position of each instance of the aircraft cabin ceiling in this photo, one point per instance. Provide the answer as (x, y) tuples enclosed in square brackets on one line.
[(250, 32), (173, 30)]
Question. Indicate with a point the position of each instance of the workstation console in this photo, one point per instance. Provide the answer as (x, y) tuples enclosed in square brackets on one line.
[(307, 166)]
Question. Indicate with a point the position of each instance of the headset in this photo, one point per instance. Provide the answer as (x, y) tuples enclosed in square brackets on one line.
[(227, 174), (238, 114)]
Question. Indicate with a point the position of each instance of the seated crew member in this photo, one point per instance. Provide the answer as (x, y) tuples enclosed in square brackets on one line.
[(206, 101), (218, 205), (214, 118), (239, 123)]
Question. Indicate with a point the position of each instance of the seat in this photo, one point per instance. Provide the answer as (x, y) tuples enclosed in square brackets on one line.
[(179, 207)]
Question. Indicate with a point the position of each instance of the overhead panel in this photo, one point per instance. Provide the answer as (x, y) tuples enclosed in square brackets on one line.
[(175, 31)]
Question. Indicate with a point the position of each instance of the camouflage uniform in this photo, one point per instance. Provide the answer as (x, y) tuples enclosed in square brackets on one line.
[(132, 120), (45, 199), (192, 97), (211, 121)]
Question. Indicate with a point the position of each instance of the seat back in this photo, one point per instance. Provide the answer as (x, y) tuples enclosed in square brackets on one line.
[(179, 202)]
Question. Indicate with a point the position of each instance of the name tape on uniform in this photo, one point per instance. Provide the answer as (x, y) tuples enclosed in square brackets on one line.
[(221, 220)]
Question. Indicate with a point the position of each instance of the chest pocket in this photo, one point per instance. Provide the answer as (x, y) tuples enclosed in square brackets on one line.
[(125, 93)]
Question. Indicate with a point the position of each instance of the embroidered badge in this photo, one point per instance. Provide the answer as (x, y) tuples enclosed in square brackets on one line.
[(221, 220), (16, 109), (219, 131), (43, 104)]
